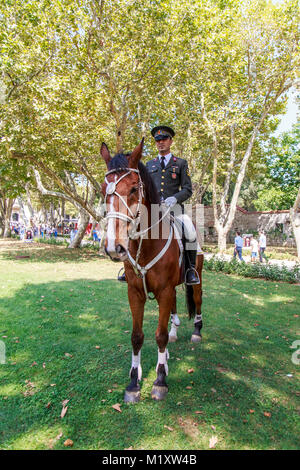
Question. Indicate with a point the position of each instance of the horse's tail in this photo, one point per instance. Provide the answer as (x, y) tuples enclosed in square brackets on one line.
[(189, 294)]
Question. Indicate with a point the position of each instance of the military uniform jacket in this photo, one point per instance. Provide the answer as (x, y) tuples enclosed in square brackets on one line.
[(173, 180)]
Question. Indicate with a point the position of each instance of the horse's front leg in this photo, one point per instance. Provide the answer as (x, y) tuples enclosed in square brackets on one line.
[(175, 322), (165, 301), (137, 301)]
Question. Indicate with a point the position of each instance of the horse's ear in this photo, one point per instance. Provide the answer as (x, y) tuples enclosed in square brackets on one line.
[(105, 153), (136, 155)]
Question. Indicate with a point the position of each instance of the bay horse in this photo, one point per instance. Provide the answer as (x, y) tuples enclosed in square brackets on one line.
[(151, 264)]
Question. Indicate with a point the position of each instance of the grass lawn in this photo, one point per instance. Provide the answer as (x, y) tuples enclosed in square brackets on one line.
[(66, 326)]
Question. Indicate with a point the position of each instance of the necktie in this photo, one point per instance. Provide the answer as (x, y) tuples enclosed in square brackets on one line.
[(162, 162)]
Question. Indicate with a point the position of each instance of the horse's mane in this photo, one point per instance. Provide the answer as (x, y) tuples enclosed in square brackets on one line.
[(120, 163)]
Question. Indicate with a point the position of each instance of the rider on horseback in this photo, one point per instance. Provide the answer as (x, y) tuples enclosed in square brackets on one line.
[(172, 180)]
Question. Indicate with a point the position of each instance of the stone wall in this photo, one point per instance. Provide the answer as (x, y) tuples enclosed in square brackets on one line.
[(276, 225)]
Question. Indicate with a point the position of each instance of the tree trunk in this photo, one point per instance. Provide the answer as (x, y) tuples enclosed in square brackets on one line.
[(295, 221), (52, 219), (6, 232), (6, 211), (29, 205), (224, 220), (222, 234), (63, 204), (83, 222), (296, 229)]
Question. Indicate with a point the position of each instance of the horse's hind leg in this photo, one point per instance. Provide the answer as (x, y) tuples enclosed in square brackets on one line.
[(197, 294), (137, 302), (160, 387), (175, 322)]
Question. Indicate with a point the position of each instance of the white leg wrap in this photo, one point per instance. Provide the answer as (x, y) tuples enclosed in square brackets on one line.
[(173, 331), (163, 359), (136, 363), (175, 319), (197, 318)]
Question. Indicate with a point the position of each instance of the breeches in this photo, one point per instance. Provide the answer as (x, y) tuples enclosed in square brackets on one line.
[(187, 226)]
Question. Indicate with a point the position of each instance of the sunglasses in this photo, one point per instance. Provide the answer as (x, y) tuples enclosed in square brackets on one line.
[(161, 137)]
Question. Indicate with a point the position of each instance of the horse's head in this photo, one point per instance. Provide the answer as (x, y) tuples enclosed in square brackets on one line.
[(123, 192)]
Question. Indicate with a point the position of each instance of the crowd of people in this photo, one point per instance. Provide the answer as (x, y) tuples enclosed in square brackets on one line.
[(47, 231), (258, 247), (30, 232)]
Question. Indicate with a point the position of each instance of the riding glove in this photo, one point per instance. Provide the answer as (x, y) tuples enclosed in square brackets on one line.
[(170, 201)]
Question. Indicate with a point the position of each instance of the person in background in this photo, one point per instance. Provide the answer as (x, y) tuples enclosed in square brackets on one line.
[(95, 236), (99, 235), (262, 246), (238, 246), (28, 234), (254, 249), (22, 233)]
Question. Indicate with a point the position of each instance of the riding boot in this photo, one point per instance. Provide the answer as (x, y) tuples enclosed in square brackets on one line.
[(191, 275)]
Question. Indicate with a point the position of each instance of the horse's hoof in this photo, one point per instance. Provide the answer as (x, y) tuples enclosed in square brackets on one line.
[(196, 338), (132, 397), (159, 392), (173, 339)]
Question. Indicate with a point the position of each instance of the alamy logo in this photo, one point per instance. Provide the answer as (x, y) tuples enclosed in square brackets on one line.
[(296, 355), (2, 352)]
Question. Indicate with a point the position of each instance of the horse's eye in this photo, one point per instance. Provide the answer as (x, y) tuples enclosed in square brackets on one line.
[(133, 190)]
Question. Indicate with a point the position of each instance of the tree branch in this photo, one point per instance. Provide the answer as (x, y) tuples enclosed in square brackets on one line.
[(30, 77), (215, 158), (50, 192), (229, 173), (61, 184)]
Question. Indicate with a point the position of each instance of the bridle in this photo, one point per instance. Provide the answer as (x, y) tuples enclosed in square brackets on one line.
[(111, 189), (135, 221)]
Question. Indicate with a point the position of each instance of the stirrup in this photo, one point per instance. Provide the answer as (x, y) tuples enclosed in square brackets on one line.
[(196, 281), (122, 277)]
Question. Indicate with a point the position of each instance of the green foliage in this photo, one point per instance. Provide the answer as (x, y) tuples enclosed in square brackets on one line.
[(255, 270), (74, 74), (52, 241), (13, 177), (282, 177), (275, 198)]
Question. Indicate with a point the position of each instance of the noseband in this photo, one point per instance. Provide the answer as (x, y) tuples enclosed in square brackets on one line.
[(111, 189)]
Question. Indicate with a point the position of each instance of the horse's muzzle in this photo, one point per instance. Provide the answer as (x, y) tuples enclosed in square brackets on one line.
[(120, 253)]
